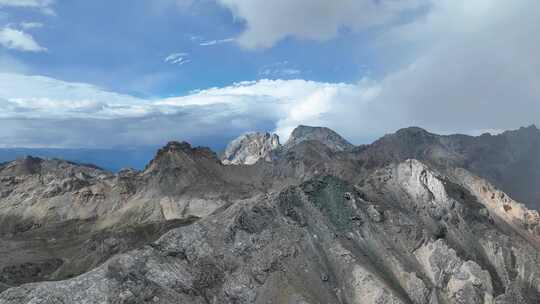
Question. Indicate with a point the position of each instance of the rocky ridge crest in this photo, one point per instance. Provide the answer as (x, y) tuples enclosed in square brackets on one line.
[(251, 147)]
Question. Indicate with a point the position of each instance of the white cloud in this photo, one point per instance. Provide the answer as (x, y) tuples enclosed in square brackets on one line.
[(41, 111), (275, 92), (19, 40), (44, 97), (178, 58), (43, 5), (216, 42), (267, 22)]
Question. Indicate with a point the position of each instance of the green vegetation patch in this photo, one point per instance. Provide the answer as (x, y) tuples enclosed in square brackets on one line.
[(328, 195)]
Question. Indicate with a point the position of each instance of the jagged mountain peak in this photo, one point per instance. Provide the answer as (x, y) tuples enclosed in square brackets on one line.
[(509, 160), (175, 152), (322, 134), (251, 147), (248, 148), (175, 146), (185, 148)]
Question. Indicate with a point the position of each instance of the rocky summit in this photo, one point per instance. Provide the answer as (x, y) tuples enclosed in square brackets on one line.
[(323, 135), (414, 218), (250, 147)]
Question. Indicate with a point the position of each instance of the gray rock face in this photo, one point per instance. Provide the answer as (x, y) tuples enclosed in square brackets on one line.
[(314, 225), (250, 147), (319, 243), (510, 160), (323, 135)]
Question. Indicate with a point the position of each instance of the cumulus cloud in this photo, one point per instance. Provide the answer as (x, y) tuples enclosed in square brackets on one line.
[(43, 97), (267, 22), (18, 40), (41, 111), (47, 112)]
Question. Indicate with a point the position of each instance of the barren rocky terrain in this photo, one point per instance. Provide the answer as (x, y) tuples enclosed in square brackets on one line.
[(414, 218)]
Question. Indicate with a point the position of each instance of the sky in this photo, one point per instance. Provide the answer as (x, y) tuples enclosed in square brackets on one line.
[(137, 73)]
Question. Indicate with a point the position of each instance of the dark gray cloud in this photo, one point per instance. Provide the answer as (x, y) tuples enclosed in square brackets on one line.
[(475, 69), (191, 125), (478, 69), (267, 22)]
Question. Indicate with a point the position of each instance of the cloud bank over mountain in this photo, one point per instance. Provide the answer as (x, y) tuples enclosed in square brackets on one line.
[(473, 68)]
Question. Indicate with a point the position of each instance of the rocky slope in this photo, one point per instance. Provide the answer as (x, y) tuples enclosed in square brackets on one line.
[(313, 223), (59, 219)]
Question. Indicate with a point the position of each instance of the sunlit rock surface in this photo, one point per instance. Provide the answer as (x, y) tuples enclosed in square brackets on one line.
[(250, 147)]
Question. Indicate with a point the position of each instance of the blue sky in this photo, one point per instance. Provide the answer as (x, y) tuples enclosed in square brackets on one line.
[(139, 73), (122, 46)]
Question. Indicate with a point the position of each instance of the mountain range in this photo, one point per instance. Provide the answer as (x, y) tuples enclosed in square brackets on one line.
[(414, 217), (113, 159)]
